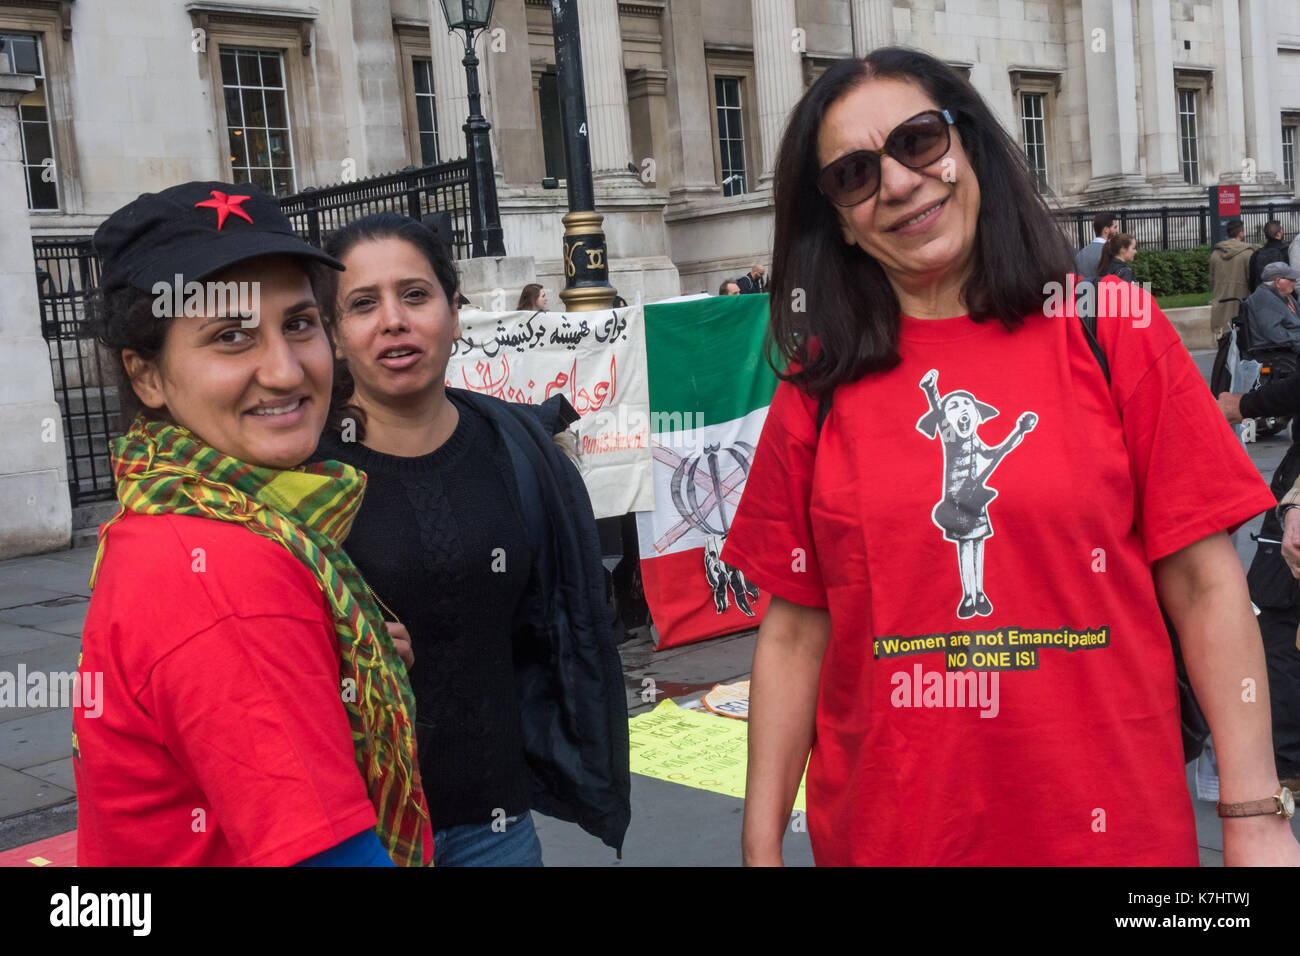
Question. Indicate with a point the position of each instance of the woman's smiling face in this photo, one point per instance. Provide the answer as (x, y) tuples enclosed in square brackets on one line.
[(920, 223), (257, 392)]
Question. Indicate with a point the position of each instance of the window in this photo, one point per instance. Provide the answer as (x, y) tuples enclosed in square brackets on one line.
[(731, 134), (426, 115), (24, 54), (1033, 99), (1288, 157), (1033, 126), (257, 118), (553, 148), (1188, 151)]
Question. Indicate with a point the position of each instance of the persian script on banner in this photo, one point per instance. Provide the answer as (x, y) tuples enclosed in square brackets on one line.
[(596, 360)]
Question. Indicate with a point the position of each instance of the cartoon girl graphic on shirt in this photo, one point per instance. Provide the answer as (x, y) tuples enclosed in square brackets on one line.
[(962, 514)]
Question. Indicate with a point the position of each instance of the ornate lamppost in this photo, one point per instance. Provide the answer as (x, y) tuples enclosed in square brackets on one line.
[(473, 16), (586, 266)]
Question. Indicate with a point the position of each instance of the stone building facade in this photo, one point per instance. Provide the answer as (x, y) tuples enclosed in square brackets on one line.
[(1116, 102)]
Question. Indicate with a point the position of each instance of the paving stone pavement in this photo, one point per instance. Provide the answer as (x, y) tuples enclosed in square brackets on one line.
[(43, 602)]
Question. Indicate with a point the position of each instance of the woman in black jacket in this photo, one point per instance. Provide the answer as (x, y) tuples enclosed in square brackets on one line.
[(472, 524), (1116, 256)]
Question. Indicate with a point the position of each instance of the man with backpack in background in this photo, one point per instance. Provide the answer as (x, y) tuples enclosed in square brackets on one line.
[(1273, 250), (1229, 276)]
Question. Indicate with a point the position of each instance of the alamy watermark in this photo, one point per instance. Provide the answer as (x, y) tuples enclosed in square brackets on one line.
[(946, 689), (1118, 300), (242, 300), (53, 689)]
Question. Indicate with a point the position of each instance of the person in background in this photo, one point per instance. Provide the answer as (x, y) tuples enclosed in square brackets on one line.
[(532, 299), (226, 618), (1273, 310), (916, 368), (1273, 588), (478, 535), (1104, 226), (729, 287), (1273, 250), (1229, 276), (1116, 257), (752, 282)]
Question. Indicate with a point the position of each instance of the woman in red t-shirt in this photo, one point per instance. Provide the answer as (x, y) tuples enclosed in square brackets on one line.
[(252, 708), (968, 527)]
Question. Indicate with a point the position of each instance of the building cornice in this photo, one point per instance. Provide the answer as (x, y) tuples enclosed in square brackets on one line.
[(633, 8), (203, 13), (62, 7), (1045, 75), (410, 23)]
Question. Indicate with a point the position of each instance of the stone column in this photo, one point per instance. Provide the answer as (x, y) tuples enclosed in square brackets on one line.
[(1259, 71), (778, 73), (450, 99), (514, 119), (1110, 76), (376, 134), (873, 25), (1230, 106), (35, 510), (648, 104), (688, 165), (605, 87), (1159, 100)]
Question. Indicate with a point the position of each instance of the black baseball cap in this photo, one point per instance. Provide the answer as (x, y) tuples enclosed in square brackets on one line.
[(195, 230)]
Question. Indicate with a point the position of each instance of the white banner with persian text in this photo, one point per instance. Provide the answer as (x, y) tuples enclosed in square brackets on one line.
[(597, 360)]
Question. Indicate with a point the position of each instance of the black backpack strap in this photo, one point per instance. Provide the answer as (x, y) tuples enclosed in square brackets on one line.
[(1089, 323), (530, 494), (824, 408)]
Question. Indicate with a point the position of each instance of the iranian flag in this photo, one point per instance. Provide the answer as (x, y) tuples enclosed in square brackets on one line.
[(710, 387)]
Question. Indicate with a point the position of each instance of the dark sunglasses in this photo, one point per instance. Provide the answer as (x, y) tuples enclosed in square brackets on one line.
[(915, 142)]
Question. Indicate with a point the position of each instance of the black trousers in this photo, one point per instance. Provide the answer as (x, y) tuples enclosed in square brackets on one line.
[(1283, 661)]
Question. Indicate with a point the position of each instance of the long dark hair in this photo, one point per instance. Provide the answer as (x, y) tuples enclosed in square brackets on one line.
[(844, 300), (372, 228), (1111, 250)]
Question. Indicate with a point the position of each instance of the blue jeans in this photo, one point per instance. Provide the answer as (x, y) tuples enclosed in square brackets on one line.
[(477, 844)]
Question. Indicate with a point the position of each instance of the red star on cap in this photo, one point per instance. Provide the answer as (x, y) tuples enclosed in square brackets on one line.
[(225, 205)]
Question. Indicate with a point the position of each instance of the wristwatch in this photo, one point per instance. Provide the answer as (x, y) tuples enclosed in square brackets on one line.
[(1281, 803), (1288, 501)]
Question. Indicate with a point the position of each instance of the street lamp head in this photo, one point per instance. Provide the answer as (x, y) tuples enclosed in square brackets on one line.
[(468, 15)]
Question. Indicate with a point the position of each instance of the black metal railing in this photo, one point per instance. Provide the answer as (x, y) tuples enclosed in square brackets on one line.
[(1179, 227), (315, 213), (66, 270)]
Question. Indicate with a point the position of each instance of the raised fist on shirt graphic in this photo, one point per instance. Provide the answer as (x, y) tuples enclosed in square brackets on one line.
[(962, 513)]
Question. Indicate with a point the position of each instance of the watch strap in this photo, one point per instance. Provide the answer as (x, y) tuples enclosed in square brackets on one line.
[(1252, 808), (1281, 803)]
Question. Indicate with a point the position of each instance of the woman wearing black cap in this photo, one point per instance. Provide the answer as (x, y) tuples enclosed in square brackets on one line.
[(254, 709)]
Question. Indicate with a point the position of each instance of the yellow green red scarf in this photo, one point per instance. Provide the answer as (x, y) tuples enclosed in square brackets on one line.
[(162, 468)]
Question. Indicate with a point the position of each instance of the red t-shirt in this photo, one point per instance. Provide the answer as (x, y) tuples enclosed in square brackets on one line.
[(223, 738), (1041, 569)]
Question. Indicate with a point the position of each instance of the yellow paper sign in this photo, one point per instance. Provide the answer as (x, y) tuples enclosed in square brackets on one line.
[(695, 749)]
